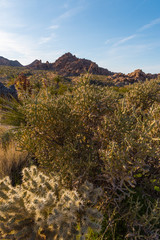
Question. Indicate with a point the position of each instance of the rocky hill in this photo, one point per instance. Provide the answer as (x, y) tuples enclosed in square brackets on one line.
[(7, 62), (70, 65)]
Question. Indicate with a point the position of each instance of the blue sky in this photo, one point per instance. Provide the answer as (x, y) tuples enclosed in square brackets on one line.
[(121, 35)]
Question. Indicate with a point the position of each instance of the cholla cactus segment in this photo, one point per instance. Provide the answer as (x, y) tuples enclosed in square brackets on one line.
[(41, 209), (89, 193)]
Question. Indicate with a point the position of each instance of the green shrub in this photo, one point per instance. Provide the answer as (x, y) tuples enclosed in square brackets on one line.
[(130, 154), (61, 130), (143, 95)]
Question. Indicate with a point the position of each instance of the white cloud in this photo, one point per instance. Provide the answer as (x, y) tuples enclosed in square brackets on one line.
[(124, 40), (68, 14), (111, 40), (149, 25)]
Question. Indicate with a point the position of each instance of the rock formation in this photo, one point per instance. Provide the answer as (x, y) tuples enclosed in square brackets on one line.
[(6, 62), (70, 65), (8, 92), (120, 79)]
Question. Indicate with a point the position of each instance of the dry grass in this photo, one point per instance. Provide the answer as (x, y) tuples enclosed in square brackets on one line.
[(11, 160)]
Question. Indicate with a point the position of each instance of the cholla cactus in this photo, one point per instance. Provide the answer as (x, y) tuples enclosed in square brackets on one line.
[(41, 209)]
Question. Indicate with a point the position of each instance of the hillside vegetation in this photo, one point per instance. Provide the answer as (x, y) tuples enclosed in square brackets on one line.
[(95, 151)]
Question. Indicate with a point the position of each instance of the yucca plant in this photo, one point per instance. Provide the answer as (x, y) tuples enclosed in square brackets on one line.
[(12, 112)]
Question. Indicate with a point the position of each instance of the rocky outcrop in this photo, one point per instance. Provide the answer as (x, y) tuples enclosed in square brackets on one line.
[(6, 62), (138, 74), (8, 92), (70, 65), (120, 79), (38, 65)]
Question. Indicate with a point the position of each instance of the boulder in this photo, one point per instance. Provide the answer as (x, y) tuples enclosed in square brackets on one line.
[(8, 92)]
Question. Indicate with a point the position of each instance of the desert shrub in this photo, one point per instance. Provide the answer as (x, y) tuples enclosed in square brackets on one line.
[(60, 130), (58, 89), (121, 90), (42, 209), (107, 137), (143, 95), (128, 141), (130, 153)]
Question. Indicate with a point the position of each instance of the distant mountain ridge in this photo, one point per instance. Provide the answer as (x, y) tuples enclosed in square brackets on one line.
[(69, 65), (7, 62)]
